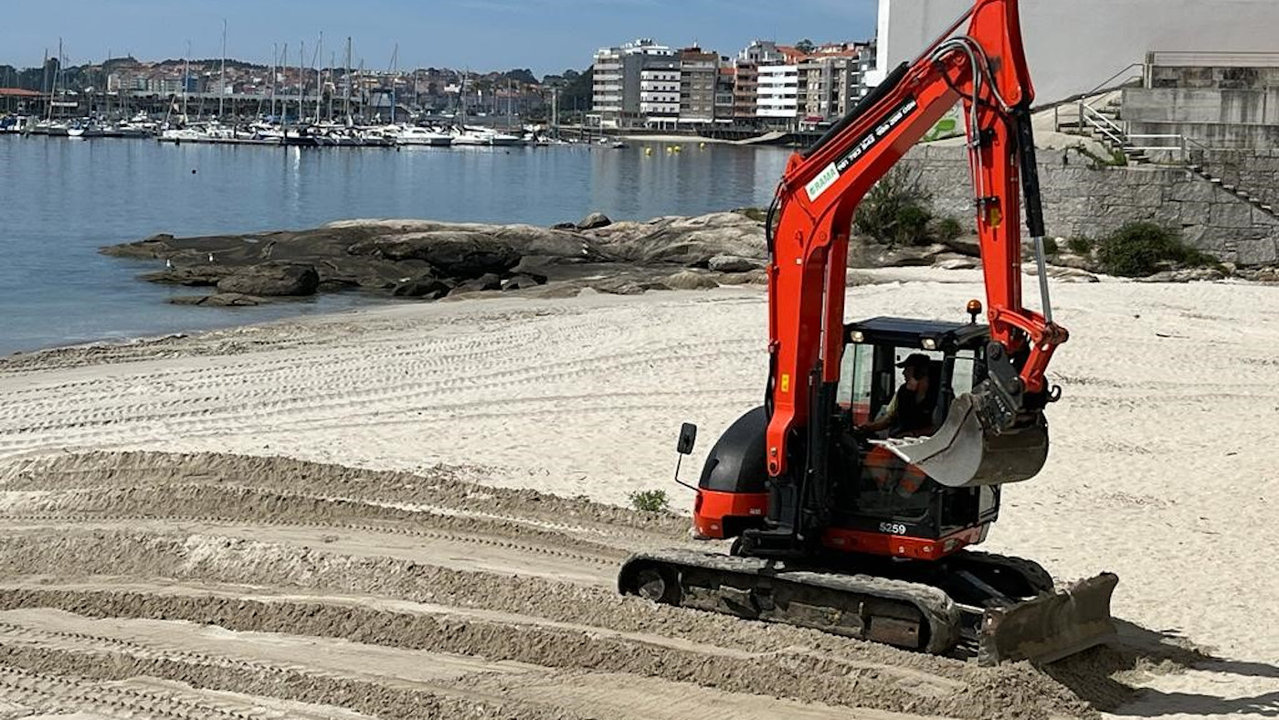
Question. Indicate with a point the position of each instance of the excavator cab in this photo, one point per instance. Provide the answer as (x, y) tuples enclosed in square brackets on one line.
[(874, 489)]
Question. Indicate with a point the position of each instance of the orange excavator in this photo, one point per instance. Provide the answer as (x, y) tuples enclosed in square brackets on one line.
[(835, 527)]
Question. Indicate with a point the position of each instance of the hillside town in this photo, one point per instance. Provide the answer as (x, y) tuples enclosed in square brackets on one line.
[(639, 84)]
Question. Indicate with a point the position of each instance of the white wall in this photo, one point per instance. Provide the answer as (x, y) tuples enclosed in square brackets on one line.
[(1073, 45)]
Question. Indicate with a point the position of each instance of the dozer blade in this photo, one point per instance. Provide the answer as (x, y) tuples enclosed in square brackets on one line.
[(1049, 627), (964, 453)]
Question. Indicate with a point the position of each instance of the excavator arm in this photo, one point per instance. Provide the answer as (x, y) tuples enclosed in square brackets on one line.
[(995, 434)]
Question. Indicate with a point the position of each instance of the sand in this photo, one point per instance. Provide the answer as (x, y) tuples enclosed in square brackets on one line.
[(417, 511)]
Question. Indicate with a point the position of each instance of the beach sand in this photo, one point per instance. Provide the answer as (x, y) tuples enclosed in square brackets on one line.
[(162, 481)]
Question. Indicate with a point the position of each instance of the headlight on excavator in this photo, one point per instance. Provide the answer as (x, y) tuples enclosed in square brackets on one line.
[(930, 344), (857, 336)]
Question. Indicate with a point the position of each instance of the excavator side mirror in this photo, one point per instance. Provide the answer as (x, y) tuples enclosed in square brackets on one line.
[(687, 438)]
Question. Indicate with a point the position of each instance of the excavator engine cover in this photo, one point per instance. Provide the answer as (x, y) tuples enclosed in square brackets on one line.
[(967, 451)]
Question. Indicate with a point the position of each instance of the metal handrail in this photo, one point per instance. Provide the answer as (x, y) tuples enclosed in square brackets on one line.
[(1103, 85)]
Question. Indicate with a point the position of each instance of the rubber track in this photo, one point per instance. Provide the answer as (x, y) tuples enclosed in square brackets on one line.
[(942, 615)]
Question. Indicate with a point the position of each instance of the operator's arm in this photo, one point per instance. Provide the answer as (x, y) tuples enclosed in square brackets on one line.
[(886, 418)]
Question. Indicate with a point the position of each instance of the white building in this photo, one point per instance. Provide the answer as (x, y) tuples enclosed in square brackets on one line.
[(777, 95), (617, 78), (659, 96), (1073, 47)]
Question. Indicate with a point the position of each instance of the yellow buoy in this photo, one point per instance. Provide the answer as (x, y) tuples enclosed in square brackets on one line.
[(648, 151), (702, 145), (678, 148)]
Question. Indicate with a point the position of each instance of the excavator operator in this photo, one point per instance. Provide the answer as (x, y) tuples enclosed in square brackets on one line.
[(910, 414), (911, 411)]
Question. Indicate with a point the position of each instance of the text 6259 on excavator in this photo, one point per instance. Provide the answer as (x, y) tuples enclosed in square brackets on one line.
[(835, 527)]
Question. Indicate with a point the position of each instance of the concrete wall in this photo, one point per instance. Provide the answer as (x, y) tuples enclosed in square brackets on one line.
[(1083, 201), (1216, 118), (1073, 46)]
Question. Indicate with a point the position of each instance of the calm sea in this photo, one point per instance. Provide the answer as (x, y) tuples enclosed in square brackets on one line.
[(61, 199)]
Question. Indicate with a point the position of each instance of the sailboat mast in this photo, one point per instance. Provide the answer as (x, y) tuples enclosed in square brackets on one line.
[(395, 58), (301, 81), (44, 86), (222, 74), (186, 80), (348, 79), (319, 87), (275, 57)]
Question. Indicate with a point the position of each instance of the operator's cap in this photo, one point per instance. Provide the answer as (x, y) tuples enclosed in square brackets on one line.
[(918, 361)]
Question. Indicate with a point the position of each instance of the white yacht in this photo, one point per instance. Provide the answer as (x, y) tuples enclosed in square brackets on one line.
[(424, 136), (464, 135)]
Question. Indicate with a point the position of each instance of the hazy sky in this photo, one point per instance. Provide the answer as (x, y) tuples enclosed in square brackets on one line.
[(544, 35)]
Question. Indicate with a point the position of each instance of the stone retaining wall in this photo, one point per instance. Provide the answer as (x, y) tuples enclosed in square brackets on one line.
[(1256, 171), (1082, 200)]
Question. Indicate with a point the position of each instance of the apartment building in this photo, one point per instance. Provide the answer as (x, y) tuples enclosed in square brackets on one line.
[(617, 79), (745, 91), (725, 83), (660, 93), (643, 83), (777, 95), (699, 78)]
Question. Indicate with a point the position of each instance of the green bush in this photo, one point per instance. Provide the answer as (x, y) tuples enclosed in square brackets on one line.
[(948, 228), (1143, 248), (1080, 245), (895, 211), (650, 500)]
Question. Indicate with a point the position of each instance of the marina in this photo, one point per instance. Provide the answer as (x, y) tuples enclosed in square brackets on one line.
[(67, 197)]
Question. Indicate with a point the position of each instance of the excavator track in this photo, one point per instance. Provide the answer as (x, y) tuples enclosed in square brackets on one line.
[(991, 607), (895, 612)]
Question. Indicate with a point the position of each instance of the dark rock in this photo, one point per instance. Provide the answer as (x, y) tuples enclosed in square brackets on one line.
[(190, 276), (564, 226), (424, 287), (686, 241), (218, 300), (483, 283), (754, 277), (593, 221), (521, 281), (872, 256), (272, 279), (690, 280), (733, 264), (617, 286), (453, 253), (964, 245)]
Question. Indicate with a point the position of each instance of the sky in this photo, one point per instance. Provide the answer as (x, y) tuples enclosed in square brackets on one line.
[(546, 36)]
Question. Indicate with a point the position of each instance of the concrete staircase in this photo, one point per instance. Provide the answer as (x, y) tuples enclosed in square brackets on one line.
[(1100, 119)]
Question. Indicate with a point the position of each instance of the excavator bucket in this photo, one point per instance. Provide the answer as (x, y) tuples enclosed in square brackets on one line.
[(965, 453), (1051, 626)]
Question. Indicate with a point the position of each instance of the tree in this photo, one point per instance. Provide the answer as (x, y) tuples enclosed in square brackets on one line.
[(521, 75), (805, 46)]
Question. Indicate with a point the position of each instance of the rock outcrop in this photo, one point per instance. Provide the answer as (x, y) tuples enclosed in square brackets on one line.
[(423, 259)]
